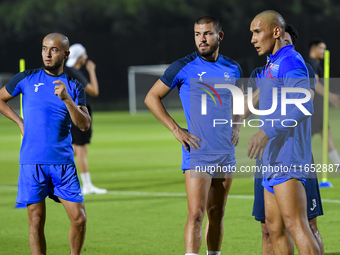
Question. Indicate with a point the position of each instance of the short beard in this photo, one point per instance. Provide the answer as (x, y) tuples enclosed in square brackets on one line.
[(209, 52), (56, 66)]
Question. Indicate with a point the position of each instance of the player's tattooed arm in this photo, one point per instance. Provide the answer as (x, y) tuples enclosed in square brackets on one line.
[(7, 111)]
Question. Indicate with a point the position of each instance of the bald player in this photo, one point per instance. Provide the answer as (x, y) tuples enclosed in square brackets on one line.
[(284, 149), (314, 205), (51, 100)]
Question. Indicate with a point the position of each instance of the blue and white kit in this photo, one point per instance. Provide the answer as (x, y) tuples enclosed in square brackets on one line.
[(289, 146), (204, 98), (47, 138)]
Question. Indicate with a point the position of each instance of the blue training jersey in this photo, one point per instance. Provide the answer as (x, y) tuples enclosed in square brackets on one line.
[(47, 138), (287, 146), (254, 85), (205, 99)]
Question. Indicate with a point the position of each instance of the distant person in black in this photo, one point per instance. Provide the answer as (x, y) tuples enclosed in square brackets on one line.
[(77, 59), (317, 49)]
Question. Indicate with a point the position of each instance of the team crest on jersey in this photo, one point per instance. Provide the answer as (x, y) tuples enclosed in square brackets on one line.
[(36, 86), (200, 75), (226, 76)]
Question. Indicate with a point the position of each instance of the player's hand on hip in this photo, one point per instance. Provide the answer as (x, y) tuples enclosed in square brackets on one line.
[(60, 90), (334, 99), (90, 65), (187, 139), (235, 136), (257, 144)]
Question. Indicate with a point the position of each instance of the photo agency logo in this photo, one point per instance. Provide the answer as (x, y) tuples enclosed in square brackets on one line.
[(238, 104)]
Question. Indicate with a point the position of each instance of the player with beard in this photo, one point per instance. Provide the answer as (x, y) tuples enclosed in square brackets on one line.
[(203, 145), (50, 100)]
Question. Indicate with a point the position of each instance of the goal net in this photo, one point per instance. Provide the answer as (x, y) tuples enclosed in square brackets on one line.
[(141, 79)]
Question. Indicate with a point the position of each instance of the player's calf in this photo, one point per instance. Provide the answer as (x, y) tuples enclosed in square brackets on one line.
[(313, 226), (36, 221)]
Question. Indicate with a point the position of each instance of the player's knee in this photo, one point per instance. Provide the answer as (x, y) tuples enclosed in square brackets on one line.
[(265, 232), (293, 226), (79, 221), (274, 229), (215, 213), (36, 221), (196, 215)]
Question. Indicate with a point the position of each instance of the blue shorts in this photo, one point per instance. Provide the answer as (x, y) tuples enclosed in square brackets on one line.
[(314, 205), (278, 178), (36, 182), (213, 164)]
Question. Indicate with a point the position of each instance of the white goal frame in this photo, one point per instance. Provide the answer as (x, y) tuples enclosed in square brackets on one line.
[(157, 70)]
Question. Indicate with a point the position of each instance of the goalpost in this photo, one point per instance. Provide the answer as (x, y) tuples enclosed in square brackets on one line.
[(140, 80)]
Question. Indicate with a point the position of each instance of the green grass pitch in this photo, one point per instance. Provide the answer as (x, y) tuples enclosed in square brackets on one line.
[(138, 160)]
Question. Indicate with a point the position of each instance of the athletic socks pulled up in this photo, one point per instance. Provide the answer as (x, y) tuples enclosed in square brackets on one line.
[(86, 179)]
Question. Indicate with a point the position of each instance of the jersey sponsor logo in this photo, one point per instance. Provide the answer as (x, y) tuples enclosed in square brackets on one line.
[(200, 75), (36, 86), (313, 204)]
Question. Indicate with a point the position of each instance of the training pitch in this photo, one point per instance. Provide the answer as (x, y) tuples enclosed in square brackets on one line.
[(138, 161)]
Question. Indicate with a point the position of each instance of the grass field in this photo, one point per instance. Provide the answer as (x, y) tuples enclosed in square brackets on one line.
[(138, 161)]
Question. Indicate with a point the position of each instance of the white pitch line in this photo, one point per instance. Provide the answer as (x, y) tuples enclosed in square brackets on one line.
[(9, 188), (166, 194), (330, 201), (141, 193)]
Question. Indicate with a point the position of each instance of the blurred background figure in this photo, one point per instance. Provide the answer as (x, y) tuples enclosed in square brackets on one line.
[(317, 49), (77, 59)]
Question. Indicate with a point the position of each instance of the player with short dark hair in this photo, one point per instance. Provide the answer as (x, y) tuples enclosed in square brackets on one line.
[(77, 59), (204, 145), (51, 100), (315, 43), (317, 49), (285, 158), (209, 19), (314, 205)]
